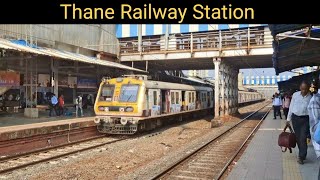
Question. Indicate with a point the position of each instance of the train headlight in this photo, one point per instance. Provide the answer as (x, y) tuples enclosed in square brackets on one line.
[(96, 120), (106, 109), (101, 108), (124, 121), (129, 109), (121, 109)]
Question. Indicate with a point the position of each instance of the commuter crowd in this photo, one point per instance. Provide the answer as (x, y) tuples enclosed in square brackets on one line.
[(301, 110), (57, 106)]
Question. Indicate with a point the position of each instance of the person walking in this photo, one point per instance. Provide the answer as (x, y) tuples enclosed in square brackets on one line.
[(299, 116), (286, 104), (79, 105), (61, 105), (53, 104), (314, 117), (277, 103)]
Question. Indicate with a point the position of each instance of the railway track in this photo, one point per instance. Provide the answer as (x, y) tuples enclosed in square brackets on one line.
[(9, 164), (211, 160)]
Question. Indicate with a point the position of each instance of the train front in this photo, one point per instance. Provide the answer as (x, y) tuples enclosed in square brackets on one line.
[(118, 106)]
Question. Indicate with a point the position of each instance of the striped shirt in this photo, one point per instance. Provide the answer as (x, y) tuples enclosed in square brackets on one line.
[(314, 119)]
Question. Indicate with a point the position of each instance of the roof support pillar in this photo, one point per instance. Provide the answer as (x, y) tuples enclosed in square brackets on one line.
[(226, 88), (54, 76), (217, 62), (139, 37)]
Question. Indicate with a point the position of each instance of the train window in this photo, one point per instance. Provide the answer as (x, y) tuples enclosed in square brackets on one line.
[(190, 97), (129, 93), (177, 97), (172, 98), (154, 97), (106, 93)]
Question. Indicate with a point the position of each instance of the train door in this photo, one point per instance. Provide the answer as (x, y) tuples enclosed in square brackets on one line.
[(203, 98), (175, 101), (190, 99), (212, 99), (198, 100), (193, 100), (164, 101), (154, 101), (187, 99)]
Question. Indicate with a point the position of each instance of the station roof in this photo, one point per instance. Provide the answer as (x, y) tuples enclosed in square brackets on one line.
[(294, 49), (294, 83), (22, 46), (281, 28)]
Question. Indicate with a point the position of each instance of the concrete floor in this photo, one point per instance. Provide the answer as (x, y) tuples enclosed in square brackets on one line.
[(12, 119)]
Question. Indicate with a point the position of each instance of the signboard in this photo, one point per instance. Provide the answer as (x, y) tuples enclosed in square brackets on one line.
[(63, 81), (44, 80), (9, 78), (87, 83), (72, 82)]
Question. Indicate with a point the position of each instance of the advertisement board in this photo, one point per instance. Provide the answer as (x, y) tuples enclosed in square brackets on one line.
[(9, 78)]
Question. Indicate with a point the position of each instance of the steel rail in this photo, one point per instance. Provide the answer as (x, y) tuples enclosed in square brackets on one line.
[(179, 162), (241, 147), (57, 156)]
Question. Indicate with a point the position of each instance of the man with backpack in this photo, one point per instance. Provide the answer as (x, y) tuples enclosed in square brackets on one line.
[(79, 105)]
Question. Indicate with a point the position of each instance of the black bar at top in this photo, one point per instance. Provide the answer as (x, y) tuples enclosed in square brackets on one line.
[(230, 11)]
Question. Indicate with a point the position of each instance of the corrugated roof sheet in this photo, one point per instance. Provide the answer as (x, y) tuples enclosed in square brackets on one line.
[(294, 83), (291, 53), (21, 45)]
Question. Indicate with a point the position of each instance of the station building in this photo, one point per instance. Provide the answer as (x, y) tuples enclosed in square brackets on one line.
[(61, 59)]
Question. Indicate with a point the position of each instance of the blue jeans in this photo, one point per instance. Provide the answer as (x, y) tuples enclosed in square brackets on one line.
[(81, 110)]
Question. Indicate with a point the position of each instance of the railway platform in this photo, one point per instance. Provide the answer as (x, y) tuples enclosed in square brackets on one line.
[(264, 160), (43, 132)]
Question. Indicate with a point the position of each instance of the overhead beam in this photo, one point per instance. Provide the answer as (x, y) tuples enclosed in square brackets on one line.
[(298, 37)]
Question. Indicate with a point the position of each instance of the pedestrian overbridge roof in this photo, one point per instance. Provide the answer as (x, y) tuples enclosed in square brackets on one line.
[(23, 46), (295, 46)]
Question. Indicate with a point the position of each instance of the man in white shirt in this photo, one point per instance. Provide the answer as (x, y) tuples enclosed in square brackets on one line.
[(277, 103), (298, 114)]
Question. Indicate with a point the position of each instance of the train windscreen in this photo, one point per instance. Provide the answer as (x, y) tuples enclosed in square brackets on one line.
[(129, 93), (106, 93)]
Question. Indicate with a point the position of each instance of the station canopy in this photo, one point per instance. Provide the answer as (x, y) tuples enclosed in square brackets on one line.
[(295, 45), (293, 84), (23, 46)]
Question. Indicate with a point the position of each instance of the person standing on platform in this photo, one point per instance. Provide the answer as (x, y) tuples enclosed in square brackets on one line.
[(79, 105), (277, 103), (61, 105), (53, 105), (314, 117), (298, 114), (286, 104)]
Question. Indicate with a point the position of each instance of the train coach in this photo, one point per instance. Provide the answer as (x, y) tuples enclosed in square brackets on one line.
[(129, 104)]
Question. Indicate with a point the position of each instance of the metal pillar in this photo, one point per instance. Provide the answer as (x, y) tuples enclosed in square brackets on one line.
[(222, 89), (217, 62), (167, 37), (54, 76), (139, 37)]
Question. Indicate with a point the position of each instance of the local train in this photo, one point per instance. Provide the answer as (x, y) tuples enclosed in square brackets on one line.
[(129, 104)]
